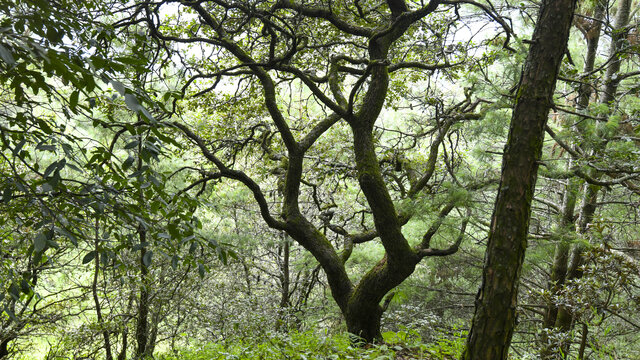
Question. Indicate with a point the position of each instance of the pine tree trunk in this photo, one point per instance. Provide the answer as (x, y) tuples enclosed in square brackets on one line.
[(495, 315)]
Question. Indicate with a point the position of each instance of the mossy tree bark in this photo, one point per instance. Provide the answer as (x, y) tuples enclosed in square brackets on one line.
[(495, 315), (360, 107)]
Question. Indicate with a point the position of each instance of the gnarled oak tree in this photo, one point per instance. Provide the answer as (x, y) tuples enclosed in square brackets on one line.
[(344, 62)]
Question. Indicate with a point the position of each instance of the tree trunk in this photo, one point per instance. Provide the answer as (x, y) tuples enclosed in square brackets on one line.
[(94, 291), (364, 312), (142, 326), (4, 347), (153, 336), (363, 321), (125, 338), (583, 341), (560, 263), (495, 314), (285, 284)]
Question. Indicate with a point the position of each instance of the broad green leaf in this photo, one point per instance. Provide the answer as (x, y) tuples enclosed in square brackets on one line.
[(118, 86), (7, 194), (45, 127), (19, 146), (25, 287), (132, 102), (193, 247), (90, 256), (49, 169), (132, 144), (146, 113), (6, 55), (67, 234), (47, 188), (146, 259), (14, 291), (128, 162), (73, 100), (40, 242)]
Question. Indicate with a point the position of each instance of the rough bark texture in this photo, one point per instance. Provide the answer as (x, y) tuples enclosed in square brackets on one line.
[(495, 315)]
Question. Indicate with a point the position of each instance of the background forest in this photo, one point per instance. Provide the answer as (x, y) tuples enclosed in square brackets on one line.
[(224, 179)]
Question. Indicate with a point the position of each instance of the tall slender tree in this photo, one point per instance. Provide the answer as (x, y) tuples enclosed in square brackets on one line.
[(495, 314)]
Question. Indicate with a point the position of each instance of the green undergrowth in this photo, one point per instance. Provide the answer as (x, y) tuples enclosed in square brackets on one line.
[(310, 345)]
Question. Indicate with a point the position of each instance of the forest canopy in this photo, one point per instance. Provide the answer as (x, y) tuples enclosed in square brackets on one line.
[(319, 179)]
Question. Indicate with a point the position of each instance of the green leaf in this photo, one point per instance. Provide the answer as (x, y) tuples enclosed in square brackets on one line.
[(10, 313), (46, 147), (201, 270), (68, 235), (128, 162), (193, 247), (90, 256), (174, 262), (73, 100), (50, 168), (222, 255), (146, 113), (25, 287), (14, 291), (47, 188), (40, 242), (45, 127), (18, 148), (147, 257), (118, 86), (6, 55), (132, 102), (53, 35), (132, 144), (7, 194), (173, 230)]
